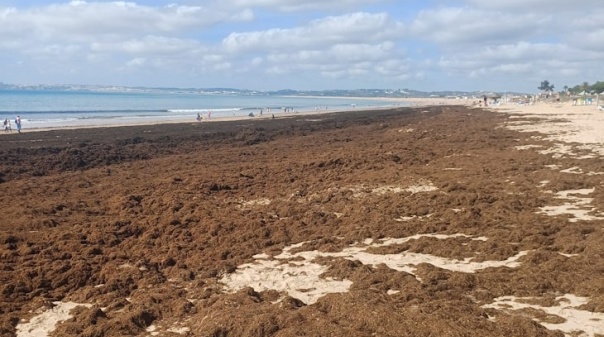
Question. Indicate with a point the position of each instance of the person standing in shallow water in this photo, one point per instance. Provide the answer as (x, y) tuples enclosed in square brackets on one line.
[(7, 127), (18, 123)]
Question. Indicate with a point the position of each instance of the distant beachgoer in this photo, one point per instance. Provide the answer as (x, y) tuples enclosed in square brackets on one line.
[(485, 100), (209, 115), (18, 123), (273, 116), (198, 117), (7, 126), (251, 114)]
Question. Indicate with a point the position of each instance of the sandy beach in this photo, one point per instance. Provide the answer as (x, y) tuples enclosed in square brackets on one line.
[(440, 219)]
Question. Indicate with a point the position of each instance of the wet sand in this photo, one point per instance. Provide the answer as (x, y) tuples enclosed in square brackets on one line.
[(428, 221)]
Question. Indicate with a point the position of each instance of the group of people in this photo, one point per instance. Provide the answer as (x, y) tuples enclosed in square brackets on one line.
[(8, 126), (199, 118)]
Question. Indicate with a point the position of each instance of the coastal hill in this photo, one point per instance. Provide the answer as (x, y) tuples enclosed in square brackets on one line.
[(395, 93)]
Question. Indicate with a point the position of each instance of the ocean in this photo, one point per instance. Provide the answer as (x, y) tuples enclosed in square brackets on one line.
[(61, 109)]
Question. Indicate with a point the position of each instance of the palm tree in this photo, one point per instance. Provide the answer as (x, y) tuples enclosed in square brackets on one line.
[(546, 86)]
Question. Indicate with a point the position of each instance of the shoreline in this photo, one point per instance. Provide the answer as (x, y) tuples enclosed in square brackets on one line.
[(412, 102)]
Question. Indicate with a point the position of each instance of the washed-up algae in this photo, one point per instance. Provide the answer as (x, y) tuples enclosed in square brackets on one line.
[(143, 223)]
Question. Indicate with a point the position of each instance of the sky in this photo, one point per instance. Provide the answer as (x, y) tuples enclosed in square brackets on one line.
[(428, 45)]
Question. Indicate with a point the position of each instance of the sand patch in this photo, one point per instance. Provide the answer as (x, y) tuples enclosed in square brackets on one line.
[(575, 322), (527, 147), (572, 170), (156, 330), (255, 202), (568, 124), (578, 207), (363, 191), (559, 151), (422, 186), (300, 276), (411, 218), (45, 323)]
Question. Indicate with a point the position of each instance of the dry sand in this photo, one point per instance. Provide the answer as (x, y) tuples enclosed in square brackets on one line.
[(440, 220), (561, 123)]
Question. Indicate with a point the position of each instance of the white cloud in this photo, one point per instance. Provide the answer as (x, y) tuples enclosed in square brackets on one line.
[(137, 62), (587, 33), (527, 61), (348, 43), (297, 5), (542, 6), (83, 21), (515, 57), (343, 61), (454, 26), (149, 45), (350, 28), (589, 40)]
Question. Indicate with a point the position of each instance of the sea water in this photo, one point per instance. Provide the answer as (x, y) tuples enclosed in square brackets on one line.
[(59, 109)]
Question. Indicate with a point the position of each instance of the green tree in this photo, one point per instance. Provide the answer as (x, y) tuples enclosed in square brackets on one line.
[(546, 86), (577, 89), (597, 87)]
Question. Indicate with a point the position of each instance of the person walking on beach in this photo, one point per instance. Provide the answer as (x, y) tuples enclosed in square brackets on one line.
[(18, 123), (7, 127), (198, 117)]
